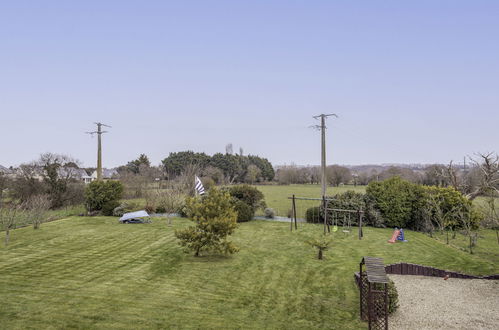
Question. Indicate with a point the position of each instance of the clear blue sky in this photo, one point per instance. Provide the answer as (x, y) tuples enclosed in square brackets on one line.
[(412, 81)]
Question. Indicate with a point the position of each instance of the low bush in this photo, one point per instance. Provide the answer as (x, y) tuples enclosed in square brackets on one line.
[(160, 209), (248, 194), (108, 207), (125, 207), (150, 209), (314, 215), (244, 211), (269, 213), (208, 182), (393, 297)]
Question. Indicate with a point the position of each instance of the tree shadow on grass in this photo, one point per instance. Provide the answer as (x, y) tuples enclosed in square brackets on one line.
[(209, 258), (168, 262)]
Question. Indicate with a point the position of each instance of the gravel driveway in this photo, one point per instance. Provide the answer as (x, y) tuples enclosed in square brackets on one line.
[(433, 303)]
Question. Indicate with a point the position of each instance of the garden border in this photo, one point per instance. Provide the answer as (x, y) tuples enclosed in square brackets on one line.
[(404, 268)]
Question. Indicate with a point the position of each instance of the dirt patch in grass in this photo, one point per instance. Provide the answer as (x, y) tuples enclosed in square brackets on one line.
[(433, 303)]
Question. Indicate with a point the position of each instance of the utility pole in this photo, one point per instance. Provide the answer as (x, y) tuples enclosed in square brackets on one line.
[(99, 133), (322, 127)]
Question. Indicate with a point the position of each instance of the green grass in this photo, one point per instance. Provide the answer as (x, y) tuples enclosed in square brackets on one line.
[(276, 196), (94, 273), (487, 245)]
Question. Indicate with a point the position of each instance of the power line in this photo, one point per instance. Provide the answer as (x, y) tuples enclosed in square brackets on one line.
[(99, 133)]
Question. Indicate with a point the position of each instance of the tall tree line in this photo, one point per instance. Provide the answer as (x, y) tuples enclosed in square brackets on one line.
[(222, 168)]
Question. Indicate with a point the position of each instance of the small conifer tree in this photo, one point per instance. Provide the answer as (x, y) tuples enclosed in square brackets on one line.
[(215, 220)]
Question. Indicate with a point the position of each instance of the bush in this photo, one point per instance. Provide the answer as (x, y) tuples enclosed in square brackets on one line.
[(108, 207), (248, 194), (314, 215), (269, 213), (208, 182), (103, 194), (160, 209), (349, 200), (244, 211), (393, 297), (394, 198), (125, 207), (150, 209)]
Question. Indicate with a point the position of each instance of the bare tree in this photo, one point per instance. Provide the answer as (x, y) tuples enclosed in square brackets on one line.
[(489, 184), (437, 212), (486, 172), (491, 216), (338, 174), (4, 182), (186, 179), (9, 218), (168, 200), (465, 218), (37, 209), (229, 149)]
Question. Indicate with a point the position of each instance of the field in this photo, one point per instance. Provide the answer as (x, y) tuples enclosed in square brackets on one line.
[(276, 196), (94, 273)]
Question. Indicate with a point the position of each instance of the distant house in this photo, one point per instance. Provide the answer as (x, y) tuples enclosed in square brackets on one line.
[(37, 173), (75, 173), (106, 174)]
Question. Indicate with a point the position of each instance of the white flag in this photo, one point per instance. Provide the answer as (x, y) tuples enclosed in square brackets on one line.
[(199, 186)]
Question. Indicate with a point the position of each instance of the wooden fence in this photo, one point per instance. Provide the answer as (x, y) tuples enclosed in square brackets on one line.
[(414, 269)]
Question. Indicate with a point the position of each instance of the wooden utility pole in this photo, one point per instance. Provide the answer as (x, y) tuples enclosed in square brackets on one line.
[(99, 133)]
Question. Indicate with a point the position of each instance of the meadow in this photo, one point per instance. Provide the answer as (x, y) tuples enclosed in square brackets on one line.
[(276, 196), (94, 273)]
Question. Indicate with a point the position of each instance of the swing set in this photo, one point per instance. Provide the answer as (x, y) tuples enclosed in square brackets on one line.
[(345, 214)]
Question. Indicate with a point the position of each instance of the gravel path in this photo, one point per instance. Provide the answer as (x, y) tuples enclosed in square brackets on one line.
[(432, 303)]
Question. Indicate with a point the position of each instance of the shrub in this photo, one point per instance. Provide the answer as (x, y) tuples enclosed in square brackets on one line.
[(393, 297), (248, 194), (125, 207), (269, 213), (349, 200), (208, 182), (394, 199), (150, 209), (244, 211), (100, 194), (108, 207), (314, 215), (215, 220), (160, 209)]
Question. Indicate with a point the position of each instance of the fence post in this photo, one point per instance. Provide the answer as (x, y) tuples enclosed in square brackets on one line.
[(361, 234), (294, 211)]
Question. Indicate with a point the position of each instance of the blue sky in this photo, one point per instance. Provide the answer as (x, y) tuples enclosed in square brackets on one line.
[(411, 81)]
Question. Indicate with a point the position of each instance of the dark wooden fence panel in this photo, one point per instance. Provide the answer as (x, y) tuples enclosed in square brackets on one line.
[(404, 268)]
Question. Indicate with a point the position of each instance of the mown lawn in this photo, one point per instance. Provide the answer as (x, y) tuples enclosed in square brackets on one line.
[(276, 196), (94, 273)]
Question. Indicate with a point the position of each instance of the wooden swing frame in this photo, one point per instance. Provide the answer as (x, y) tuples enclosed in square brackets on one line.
[(327, 229)]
